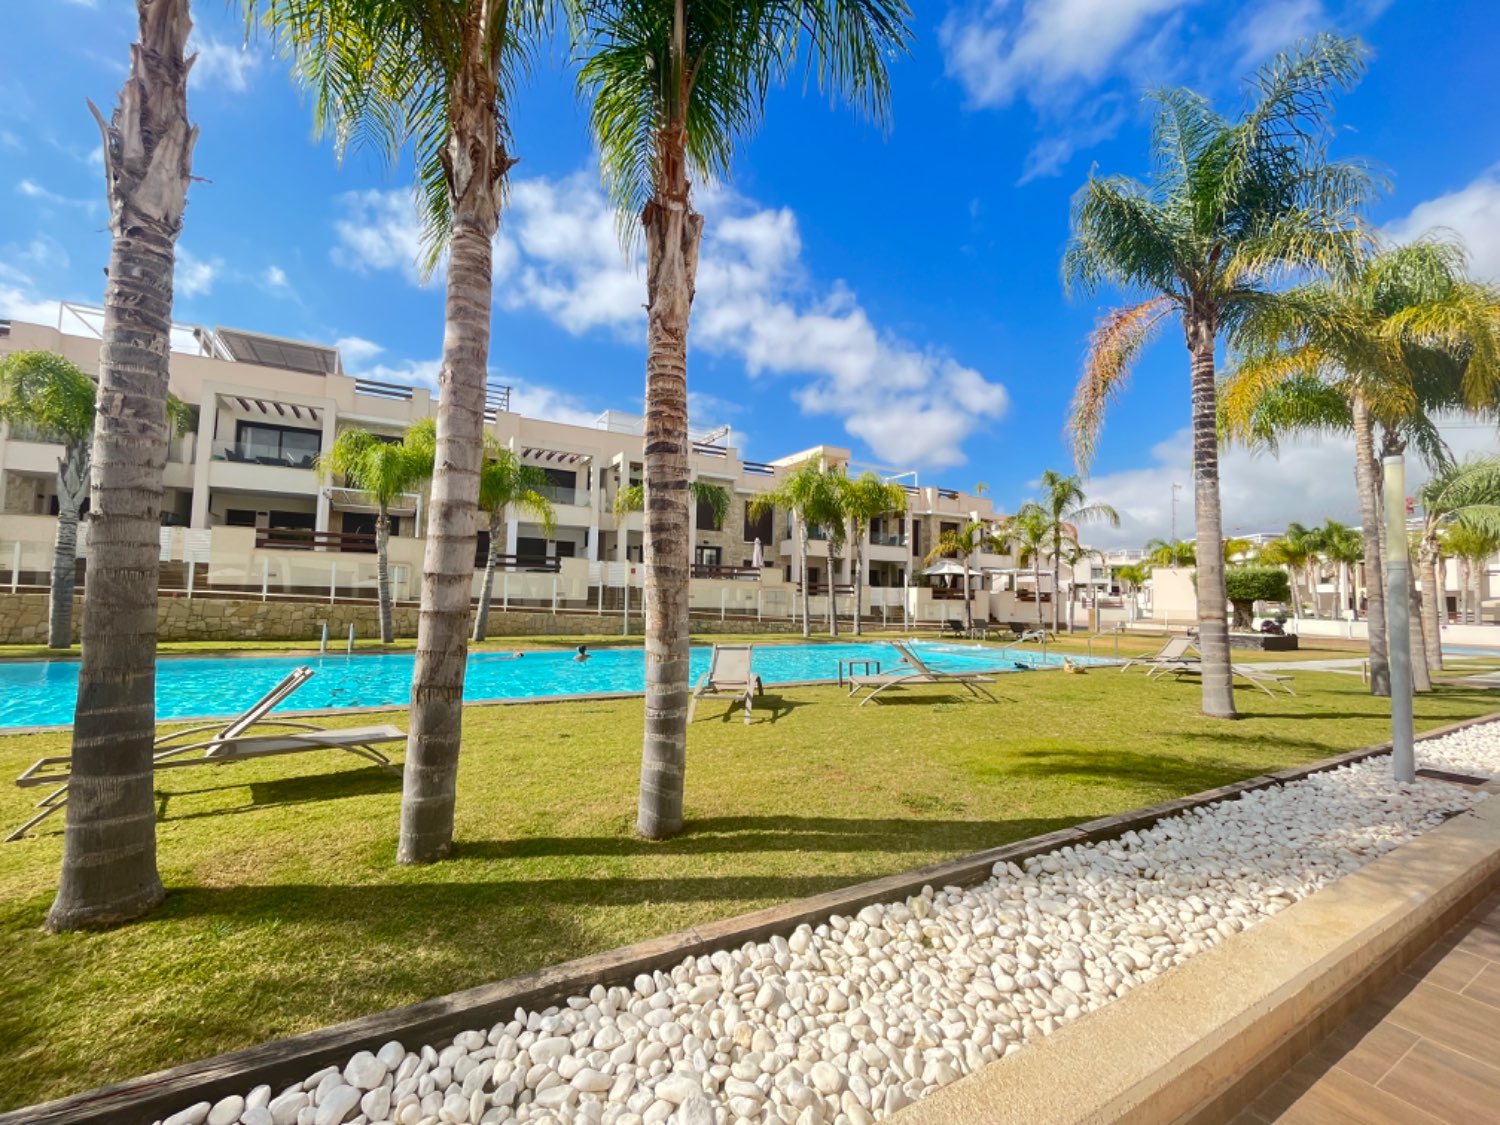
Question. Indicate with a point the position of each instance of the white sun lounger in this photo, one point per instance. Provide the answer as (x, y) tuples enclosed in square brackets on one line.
[(920, 674), (729, 673), (1174, 652), (1183, 664), (221, 743)]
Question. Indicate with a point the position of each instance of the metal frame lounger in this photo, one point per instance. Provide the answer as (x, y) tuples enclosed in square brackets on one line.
[(1174, 652), (1184, 665), (920, 674), (729, 673), (228, 742)]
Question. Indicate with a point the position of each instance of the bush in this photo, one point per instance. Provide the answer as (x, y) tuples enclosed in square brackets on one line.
[(1246, 585)]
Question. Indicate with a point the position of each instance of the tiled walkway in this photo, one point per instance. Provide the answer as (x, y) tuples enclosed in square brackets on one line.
[(1424, 1051)]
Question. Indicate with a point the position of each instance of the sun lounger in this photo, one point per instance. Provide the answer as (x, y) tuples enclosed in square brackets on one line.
[(729, 673), (1174, 652), (920, 674), (1180, 663), (221, 743)]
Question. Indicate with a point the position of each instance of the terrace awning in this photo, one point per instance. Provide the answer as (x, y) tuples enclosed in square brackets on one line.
[(554, 456), (274, 411)]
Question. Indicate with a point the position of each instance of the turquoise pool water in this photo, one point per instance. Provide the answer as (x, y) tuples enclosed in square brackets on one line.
[(43, 693)]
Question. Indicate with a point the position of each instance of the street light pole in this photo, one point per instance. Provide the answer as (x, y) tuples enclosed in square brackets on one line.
[(1176, 488), (1398, 619)]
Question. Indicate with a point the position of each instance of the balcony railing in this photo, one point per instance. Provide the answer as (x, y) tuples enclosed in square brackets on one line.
[(299, 539), (561, 494), (887, 539), (730, 573), (258, 453), (530, 564), (820, 589)]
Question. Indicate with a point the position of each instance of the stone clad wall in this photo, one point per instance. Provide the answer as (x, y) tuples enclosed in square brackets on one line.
[(23, 620)]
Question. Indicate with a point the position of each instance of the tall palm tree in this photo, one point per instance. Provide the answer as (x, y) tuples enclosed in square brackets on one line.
[(673, 86), (1473, 544), (1469, 492), (1028, 534), (1343, 548), (632, 498), (807, 495), (506, 482), (963, 543), (1175, 553), (1063, 501), (387, 471), (48, 393), (1232, 206), (1291, 550), (109, 869), (835, 528), (436, 76), (1401, 340), (867, 498)]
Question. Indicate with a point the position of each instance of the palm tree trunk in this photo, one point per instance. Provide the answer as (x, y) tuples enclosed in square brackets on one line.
[(673, 233), (72, 490), (806, 597), (858, 576), (968, 605), (833, 613), (1420, 678), (1036, 578), (383, 575), (1291, 573), (109, 869), (1434, 599), (1056, 584), (1213, 626), (476, 162), (1370, 514), (487, 587)]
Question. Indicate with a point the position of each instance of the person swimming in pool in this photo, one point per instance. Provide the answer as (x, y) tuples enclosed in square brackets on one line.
[(582, 655)]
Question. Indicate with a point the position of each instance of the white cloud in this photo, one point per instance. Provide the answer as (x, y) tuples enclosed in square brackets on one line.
[(1472, 212), (33, 190), (1086, 127), (1309, 482), (1042, 49), (275, 277), (1267, 28), (537, 401), (379, 231), (10, 140), (18, 302), (224, 65), (356, 351), (194, 276)]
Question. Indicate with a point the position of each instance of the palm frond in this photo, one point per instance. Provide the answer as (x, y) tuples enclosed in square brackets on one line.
[(1113, 348)]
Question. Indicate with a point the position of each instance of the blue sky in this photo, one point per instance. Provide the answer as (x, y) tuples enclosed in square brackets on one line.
[(898, 294)]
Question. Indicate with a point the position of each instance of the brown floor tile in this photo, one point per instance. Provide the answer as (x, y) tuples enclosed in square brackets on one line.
[(1249, 1116), (1483, 939), (1366, 1053), (1291, 1086), (1342, 1099), (1453, 971), (1452, 1086), (1450, 1020), (1486, 987)]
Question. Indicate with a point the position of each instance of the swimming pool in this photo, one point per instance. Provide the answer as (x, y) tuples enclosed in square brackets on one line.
[(44, 693)]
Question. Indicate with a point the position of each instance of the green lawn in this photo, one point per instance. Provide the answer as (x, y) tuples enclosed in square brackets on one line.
[(286, 913)]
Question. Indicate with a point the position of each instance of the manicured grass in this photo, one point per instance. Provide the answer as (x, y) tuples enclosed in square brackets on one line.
[(285, 911)]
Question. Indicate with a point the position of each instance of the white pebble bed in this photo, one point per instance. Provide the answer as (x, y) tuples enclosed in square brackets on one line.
[(849, 1021)]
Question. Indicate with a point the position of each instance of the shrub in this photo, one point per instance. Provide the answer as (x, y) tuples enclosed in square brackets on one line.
[(1247, 585)]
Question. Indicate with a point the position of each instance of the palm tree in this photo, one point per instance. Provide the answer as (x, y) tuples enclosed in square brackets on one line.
[(1473, 544), (867, 498), (806, 494), (1469, 492), (1133, 576), (961, 543), (1237, 549), (1232, 205), (1291, 550), (504, 482), (386, 470), (1344, 548), (632, 498), (1403, 339), (1028, 534), (435, 75), (1063, 501), (1071, 553), (672, 87), (48, 393), (1175, 553), (109, 869)]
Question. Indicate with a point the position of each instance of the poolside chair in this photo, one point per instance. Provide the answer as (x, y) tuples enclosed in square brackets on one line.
[(227, 742), (920, 674), (729, 673), (1181, 664), (1174, 652)]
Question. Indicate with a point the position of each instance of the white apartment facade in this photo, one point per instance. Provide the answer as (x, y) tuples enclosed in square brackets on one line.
[(245, 509)]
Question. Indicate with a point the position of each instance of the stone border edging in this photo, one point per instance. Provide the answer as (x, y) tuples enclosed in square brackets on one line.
[(283, 1061)]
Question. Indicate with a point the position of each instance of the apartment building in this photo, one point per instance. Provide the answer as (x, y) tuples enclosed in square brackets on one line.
[(244, 500)]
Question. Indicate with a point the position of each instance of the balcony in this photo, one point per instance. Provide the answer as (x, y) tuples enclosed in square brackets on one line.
[(560, 494), (887, 539), (726, 573), (299, 539), (261, 453)]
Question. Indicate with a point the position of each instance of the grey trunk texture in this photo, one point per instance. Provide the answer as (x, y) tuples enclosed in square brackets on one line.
[(1434, 602), (673, 232), (72, 490), (109, 871), (487, 587), (859, 566), (1421, 677), (476, 164), (1371, 516), (383, 576), (1213, 625), (806, 596)]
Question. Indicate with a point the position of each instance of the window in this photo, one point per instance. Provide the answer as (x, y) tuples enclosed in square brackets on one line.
[(708, 556), (277, 445), (705, 516), (530, 550), (239, 517), (916, 538), (302, 521), (759, 528), (564, 548)]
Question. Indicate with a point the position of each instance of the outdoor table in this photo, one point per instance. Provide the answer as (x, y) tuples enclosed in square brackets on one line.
[(864, 664)]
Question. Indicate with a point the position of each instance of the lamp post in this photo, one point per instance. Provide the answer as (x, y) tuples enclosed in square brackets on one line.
[(1398, 619)]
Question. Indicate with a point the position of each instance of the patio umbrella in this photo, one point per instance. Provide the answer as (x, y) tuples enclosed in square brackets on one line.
[(945, 568), (758, 555)]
